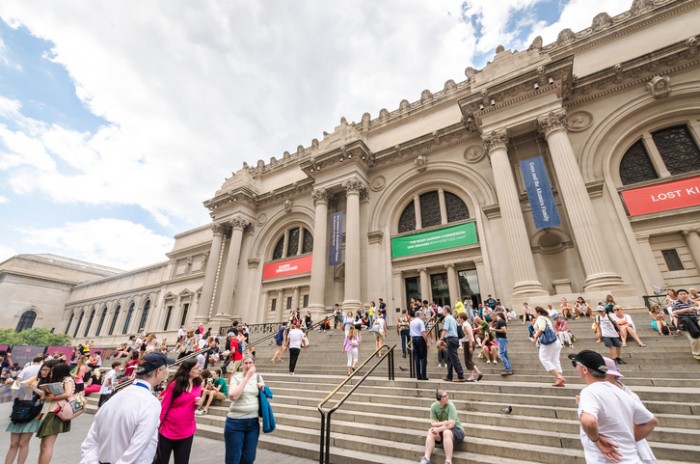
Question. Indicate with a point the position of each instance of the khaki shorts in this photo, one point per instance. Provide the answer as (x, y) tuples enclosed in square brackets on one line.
[(233, 366), (219, 396)]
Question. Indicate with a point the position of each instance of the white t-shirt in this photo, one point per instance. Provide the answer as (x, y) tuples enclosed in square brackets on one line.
[(616, 412), (295, 336), (607, 329), (108, 382)]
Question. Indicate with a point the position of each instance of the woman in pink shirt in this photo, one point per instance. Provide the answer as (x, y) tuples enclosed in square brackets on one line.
[(181, 398)]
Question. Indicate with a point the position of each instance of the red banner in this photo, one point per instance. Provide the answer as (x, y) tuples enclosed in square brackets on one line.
[(663, 197), (287, 268)]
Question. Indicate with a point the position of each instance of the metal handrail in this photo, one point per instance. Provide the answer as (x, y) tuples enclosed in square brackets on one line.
[(273, 335), (409, 347), (325, 439)]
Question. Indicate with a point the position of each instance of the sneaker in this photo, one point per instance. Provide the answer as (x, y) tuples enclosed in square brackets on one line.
[(458, 380), (425, 460), (447, 379), (696, 357), (488, 362), (448, 462), (495, 361)]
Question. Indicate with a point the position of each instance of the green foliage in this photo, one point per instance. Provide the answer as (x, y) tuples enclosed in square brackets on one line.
[(33, 337)]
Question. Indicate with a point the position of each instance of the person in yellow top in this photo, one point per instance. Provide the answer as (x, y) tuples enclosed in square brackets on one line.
[(459, 308), (371, 313)]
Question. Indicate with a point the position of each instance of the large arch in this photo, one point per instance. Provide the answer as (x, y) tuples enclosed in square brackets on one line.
[(299, 215)]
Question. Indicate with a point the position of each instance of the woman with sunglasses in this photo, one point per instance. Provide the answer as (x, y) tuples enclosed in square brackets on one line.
[(627, 327), (242, 427)]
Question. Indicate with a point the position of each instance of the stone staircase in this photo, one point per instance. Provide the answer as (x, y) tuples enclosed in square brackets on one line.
[(386, 421)]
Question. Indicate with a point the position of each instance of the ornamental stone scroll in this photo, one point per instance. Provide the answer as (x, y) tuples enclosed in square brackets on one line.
[(495, 139), (553, 121), (354, 186)]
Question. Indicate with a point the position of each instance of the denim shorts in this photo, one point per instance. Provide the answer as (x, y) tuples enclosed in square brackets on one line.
[(611, 342)]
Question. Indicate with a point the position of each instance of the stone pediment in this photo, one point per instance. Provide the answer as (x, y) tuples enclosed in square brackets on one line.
[(506, 64)]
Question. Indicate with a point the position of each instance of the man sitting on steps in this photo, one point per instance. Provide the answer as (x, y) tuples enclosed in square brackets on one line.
[(446, 427)]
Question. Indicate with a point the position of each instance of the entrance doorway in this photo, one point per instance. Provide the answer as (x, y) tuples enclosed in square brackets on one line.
[(469, 286), (412, 288), (440, 289)]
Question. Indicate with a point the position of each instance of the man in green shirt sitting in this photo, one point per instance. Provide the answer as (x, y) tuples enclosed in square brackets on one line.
[(215, 388), (446, 427)]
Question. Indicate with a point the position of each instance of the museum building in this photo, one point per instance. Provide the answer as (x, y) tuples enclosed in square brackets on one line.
[(563, 170)]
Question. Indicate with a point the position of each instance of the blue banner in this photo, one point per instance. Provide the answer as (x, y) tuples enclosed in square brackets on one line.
[(539, 192), (335, 252)]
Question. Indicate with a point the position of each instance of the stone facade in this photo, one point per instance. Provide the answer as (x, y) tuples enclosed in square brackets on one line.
[(612, 111)]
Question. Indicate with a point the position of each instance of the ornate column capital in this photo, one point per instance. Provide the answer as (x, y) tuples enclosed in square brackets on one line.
[(217, 228), (239, 223), (354, 186), (552, 121), (495, 139), (320, 195)]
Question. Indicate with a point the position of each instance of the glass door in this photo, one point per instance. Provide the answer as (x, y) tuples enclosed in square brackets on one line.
[(469, 286), (440, 289), (412, 288)]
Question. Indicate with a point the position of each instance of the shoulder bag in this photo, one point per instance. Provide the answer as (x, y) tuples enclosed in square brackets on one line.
[(548, 336), (24, 411), (71, 407)]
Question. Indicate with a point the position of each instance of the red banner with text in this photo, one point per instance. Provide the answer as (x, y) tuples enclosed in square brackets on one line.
[(663, 197), (286, 268)]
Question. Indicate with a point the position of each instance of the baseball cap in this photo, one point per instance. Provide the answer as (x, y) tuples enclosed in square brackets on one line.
[(153, 361), (612, 367), (600, 308), (554, 314), (592, 360)]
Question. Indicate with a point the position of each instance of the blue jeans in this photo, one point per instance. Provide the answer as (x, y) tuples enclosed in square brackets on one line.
[(405, 337), (503, 353), (241, 440)]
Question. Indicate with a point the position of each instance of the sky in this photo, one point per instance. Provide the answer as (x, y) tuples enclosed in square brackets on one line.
[(118, 119)]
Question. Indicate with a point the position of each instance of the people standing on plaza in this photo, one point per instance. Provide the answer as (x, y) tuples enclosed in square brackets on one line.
[(686, 313), (29, 379), (611, 420), (294, 341), (468, 347), (446, 428), (126, 428), (613, 376), (608, 333), (52, 426), (501, 329), (548, 350), (351, 347), (450, 336), (242, 428), (78, 374), (181, 398), (403, 329), (420, 345)]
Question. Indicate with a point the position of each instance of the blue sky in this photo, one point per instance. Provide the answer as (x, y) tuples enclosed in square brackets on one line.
[(115, 126)]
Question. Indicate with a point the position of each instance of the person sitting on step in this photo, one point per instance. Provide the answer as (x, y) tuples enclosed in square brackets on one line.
[(446, 428)]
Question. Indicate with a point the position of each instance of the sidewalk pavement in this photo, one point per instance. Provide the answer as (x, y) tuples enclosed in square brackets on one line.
[(67, 449)]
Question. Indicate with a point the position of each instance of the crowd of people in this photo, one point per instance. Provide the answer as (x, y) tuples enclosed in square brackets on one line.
[(215, 368)]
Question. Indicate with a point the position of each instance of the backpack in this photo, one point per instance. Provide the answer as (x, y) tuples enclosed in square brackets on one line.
[(460, 332)]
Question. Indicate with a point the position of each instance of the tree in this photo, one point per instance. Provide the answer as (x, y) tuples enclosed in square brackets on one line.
[(33, 337)]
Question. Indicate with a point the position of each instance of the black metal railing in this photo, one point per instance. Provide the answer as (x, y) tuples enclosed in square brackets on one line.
[(325, 438), (127, 382), (269, 327)]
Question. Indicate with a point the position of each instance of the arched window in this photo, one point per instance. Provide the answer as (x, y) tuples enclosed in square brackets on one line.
[(430, 205), (127, 321), (678, 149), (102, 321), (77, 326), (26, 320), (299, 241), (113, 325), (144, 314), (90, 319), (70, 321), (636, 165)]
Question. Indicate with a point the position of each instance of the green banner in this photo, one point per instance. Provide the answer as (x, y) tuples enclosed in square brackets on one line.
[(423, 242)]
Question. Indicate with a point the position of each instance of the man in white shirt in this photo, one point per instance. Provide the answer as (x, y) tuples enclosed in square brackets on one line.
[(108, 382), (611, 420), (125, 429)]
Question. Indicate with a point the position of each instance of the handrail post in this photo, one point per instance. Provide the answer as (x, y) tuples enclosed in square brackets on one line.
[(391, 364), (328, 438), (323, 437), (411, 363)]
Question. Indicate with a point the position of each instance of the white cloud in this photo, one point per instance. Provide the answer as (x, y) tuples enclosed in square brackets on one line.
[(3, 200), (112, 242), (6, 253)]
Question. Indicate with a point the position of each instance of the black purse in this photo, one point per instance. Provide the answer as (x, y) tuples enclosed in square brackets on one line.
[(24, 411)]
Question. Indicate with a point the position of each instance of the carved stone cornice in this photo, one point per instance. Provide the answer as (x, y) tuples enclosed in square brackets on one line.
[(375, 236), (495, 139), (320, 195), (239, 223), (354, 186), (552, 122)]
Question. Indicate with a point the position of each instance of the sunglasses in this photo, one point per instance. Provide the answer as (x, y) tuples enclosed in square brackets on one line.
[(574, 363)]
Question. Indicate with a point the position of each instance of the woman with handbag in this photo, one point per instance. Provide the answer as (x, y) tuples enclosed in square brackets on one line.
[(182, 397), (52, 424), (21, 431), (351, 347), (546, 339), (242, 428)]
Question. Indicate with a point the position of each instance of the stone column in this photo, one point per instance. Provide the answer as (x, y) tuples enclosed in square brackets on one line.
[(319, 260), (579, 208), (416, 208), (425, 293), (353, 187), (523, 266), (281, 307), (452, 284), (211, 275), (443, 206), (224, 308), (483, 277), (692, 238), (295, 298)]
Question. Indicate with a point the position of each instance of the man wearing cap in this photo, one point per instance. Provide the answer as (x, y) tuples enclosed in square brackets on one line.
[(643, 449), (608, 334), (687, 315), (611, 420), (125, 429)]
